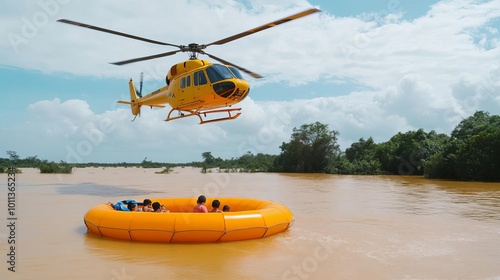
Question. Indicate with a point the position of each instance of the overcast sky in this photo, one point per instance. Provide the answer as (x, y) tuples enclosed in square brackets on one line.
[(366, 69)]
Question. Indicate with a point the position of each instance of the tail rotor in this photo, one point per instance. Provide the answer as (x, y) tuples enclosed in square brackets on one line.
[(140, 85)]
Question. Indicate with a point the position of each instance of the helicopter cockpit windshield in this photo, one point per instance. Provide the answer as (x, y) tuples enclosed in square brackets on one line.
[(236, 72), (218, 72)]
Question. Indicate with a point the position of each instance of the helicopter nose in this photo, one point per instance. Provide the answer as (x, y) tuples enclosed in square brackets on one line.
[(242, 90), (236, 90)]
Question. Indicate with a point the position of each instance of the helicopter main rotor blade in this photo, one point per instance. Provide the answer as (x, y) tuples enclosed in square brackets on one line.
[(115, 32), (263, 27), (145, 58), (255, 75)]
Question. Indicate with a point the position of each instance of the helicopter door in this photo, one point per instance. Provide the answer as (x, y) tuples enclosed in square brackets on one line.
[(199, 79), (186, 88)]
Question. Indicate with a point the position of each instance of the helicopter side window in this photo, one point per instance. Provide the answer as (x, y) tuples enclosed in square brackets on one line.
[(199, 78), (183, 82), (188, 81), (218, 72)]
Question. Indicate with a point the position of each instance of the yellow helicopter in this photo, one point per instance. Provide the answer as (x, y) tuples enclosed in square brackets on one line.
[(195, 87)]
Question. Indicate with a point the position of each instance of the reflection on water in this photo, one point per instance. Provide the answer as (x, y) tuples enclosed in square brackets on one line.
[(187, 261), (101, 190), (346, 227)]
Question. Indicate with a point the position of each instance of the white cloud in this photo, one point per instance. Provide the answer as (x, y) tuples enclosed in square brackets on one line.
[(37, 41), (375, 51)]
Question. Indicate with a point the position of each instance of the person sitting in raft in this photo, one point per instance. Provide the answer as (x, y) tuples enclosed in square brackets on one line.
[(215, 206), (122, 205), (159, 208), (132, 206), (200, 205), (226, 208), (146, 205), (164, 209)]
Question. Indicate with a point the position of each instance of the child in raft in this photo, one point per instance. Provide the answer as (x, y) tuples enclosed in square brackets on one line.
[(200, 205), (124, 205), (132, 207), (146, 205), (215, 206), (159, 208)]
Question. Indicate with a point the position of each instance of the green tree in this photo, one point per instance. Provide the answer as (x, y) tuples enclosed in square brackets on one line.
[(474, 124), (479, 158), (208, 158), (472, 151), (13, 156), (150, 164), (52, 167), (31, 161), (362, 149), (442, 164), (248, 162), (312, 149), (256, 163), (360, 159), (405, 153)]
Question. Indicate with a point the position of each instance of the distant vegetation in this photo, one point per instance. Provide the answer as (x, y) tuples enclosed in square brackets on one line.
[(165, 170), (45, 166), (470, 153), (52, 167)]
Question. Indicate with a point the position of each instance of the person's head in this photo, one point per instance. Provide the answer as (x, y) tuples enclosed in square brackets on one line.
[(226, 208), (156, 206), (131, 206), (216, 203), (201, 199), (146, 202)]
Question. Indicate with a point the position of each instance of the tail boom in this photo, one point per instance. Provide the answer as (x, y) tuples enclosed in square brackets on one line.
[(154, 99)]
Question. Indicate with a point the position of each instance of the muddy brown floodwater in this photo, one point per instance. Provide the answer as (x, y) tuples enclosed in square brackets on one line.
[(347, 227)]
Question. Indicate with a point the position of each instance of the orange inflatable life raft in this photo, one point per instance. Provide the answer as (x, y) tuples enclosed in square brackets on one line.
[(248, 219)]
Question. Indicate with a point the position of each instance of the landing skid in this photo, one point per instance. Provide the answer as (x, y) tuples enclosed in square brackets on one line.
[(202, 115)]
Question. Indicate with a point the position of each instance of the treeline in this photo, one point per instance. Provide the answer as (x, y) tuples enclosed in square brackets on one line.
[(246, 163), (470, 153), (45, 166)]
